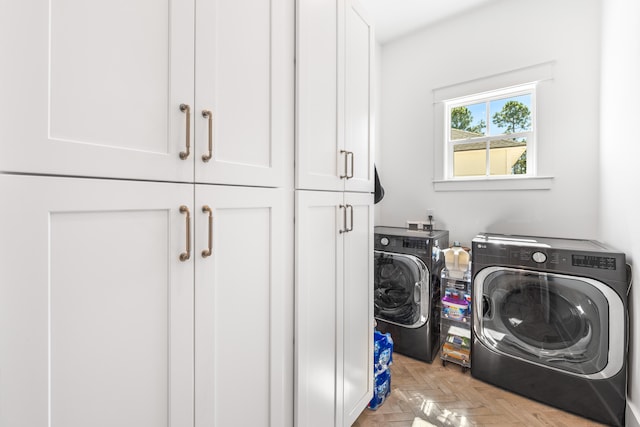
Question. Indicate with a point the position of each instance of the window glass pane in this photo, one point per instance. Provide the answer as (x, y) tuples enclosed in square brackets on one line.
[(468, 121), (510, 115), (470, 159), (508, 156)]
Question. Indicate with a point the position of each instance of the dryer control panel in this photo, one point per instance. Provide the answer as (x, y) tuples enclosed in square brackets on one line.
[(536, 256), (591, 261), (584, 258)]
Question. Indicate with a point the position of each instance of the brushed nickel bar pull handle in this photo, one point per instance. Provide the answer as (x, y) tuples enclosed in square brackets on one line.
[(346, 154), (186, 255), (344, 218), (352, 156), (207, 252), (351, 215), (186, 109), (207, 114)]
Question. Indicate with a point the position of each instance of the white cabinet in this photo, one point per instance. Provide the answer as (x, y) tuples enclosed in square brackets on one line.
[(334, 307), (95, 89), (97, 311), (334, 228), (334, 107), (111, 313)]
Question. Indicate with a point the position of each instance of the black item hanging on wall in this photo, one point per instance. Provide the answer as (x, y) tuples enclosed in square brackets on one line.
[(379, 191)]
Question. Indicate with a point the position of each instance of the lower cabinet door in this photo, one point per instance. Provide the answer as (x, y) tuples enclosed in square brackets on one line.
[(357, 310), (334, 307), (243, 306), (96, 307), (318, 279)]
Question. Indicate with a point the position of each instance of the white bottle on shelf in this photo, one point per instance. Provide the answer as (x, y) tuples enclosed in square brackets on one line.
[(456, 260)]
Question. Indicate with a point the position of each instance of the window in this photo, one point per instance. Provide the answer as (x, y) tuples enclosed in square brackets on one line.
[(499, 156), (491, 134)]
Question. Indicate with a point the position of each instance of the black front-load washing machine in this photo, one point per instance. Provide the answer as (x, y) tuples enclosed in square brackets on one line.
[(407, 288), (550, 322)]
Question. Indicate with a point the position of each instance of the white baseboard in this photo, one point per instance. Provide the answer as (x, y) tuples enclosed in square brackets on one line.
[(631, 416)]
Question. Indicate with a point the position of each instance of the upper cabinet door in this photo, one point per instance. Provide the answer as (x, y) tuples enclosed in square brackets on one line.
[(319, 95), (95, 88), (358, 122), (244, 91), (334, 148)]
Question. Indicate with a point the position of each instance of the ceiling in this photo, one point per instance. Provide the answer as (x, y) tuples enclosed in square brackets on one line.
[(395, 18)]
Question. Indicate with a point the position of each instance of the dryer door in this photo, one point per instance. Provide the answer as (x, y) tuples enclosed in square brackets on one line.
[(401, 289), (568, 323)]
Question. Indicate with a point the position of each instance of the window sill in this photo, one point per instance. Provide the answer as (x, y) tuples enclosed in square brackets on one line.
[(494, 184)]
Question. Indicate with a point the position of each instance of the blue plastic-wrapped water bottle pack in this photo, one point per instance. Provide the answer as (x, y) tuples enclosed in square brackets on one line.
[(382, 359)]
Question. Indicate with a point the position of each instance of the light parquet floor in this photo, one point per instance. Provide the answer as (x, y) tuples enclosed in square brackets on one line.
[(427, 395)]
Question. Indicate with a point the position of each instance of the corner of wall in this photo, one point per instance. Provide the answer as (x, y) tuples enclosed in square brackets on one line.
[(631, 416)]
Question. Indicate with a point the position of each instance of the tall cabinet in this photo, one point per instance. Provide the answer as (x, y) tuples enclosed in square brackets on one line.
[(334, 213), (146, 260)]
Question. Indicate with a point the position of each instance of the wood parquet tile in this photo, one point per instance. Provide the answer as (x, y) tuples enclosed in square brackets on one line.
[(428, 395)]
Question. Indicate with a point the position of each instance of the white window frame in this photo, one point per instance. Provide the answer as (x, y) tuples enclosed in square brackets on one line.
[(486, 98), (537, 178)]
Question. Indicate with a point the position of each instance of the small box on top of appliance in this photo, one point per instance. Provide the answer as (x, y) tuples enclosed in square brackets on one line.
[(382, 359)]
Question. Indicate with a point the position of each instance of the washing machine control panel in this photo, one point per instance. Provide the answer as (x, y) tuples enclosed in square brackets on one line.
[(539, 257), (567, 256), (591, 261), (551, 258), (410, 245), (536, 257)]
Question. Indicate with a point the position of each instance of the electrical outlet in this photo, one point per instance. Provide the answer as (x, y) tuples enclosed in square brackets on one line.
[(414, 225), (429, 225)]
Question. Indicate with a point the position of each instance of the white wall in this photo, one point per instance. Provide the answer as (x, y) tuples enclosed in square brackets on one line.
[(503, 36), (620, 174)]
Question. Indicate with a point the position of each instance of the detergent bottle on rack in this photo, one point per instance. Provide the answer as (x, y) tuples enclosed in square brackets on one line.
[(455, 305), (456, 260)]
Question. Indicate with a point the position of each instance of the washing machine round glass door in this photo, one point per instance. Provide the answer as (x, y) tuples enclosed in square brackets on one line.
[(569, 323), (401, 289)]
